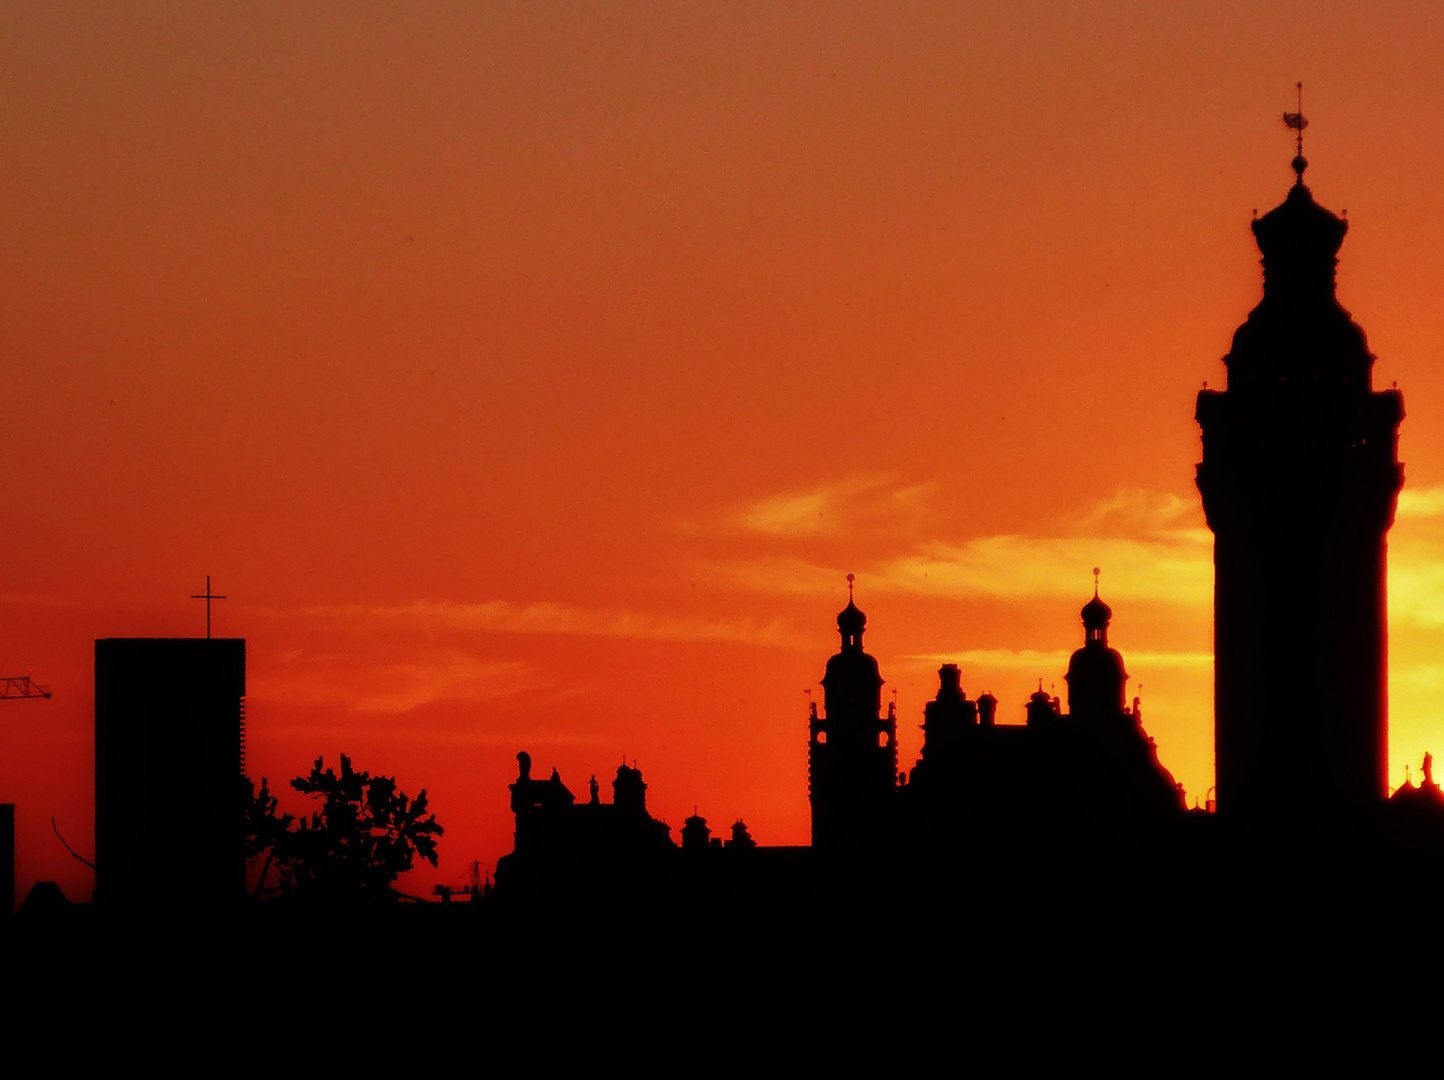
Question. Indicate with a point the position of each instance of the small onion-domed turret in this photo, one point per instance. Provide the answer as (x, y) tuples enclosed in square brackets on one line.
[(695, 834), (1096, 617), (1095, 676), (1041, 708)]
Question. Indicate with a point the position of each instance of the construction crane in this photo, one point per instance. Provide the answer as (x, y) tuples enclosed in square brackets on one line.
[(22, 687), (475, 889)]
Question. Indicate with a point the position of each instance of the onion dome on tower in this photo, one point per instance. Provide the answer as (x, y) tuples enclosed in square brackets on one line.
[(852, 684), (1096, 617), (1095, 673)]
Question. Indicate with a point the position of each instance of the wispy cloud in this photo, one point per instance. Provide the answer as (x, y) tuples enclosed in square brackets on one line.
[(441, 675), (828, 509), (1031, 660), (500, 616), (1011, 567), (1133, 512), (1416, 559), (1425, 677), (1416, 586), (1421, 504), (1151, 547), (313, 735)]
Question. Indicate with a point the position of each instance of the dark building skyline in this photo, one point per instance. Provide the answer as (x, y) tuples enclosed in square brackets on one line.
[(1089, 775), (1299, 480)]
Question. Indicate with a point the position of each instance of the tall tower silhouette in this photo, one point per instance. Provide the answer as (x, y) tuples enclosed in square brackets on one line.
[(169, 772), (852, 749), (1299, 479)]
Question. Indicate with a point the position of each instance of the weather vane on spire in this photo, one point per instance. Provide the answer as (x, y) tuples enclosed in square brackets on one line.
[(1297, 121)]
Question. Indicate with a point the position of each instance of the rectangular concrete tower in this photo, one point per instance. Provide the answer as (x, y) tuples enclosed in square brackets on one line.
[(169, 767)]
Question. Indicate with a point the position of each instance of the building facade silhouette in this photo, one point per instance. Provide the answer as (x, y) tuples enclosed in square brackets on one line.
[(169, 771), (1299, 479), (1090, 771)]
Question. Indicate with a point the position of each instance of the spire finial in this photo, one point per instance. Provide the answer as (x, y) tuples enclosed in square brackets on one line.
[(850, 580), (1298, 122), (1095, 582)]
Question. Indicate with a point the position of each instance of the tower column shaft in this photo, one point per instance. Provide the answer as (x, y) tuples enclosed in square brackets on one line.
[(1299, 479)]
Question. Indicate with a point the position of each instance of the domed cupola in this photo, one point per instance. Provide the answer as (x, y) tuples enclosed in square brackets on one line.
[(1299, 226), (851, 621), (1096, 617), (1299, 240), (695, 834), (852, 676), (1095, 676), (1299, 339)]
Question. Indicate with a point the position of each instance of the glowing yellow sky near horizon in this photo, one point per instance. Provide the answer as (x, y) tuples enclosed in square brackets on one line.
[(529, 376)]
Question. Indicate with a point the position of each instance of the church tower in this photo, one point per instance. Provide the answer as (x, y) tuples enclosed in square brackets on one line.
[(852, 749), (1299, 479)]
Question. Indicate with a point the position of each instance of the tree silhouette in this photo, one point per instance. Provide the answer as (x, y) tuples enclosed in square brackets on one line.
[(365, 834), (265, 829)]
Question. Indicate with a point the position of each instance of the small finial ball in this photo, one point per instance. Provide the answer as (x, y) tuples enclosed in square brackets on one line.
[(850, 579)]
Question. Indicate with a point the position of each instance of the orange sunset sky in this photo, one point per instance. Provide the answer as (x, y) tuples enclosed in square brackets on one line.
[(529, 376)]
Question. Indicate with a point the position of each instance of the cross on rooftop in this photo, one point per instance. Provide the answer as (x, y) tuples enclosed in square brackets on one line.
[(207, 596)]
